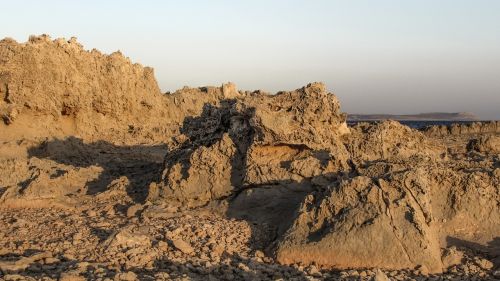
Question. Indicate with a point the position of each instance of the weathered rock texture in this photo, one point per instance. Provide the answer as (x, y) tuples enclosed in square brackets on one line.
[(486, 144), (364, 223), (378, 195), (51, 88), (255, 140), (395, 217), (461, 129), (92, 133), (389, 140), (404, 200)]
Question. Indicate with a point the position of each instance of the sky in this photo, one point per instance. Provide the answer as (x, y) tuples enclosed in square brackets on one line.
[(398, 57)]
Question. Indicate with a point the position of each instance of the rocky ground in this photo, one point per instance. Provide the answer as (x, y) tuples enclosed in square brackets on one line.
[(110, 236), (103, 177), (113, 242)]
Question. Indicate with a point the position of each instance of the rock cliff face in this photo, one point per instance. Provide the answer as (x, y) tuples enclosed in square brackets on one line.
[(79, 127)]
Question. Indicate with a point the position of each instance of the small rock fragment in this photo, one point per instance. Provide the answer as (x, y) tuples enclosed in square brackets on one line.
[(451, 257), (10, 116), (259, 254), (132, 210), (51, 260), (126, 276), (162, 245), (91, 213), (71, 276), (484, 263), (380, 276), (182, 246)]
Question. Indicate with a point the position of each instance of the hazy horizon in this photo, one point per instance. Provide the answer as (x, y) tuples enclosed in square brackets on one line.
[(389, 57)]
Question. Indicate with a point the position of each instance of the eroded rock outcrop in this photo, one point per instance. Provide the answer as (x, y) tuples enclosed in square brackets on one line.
[(404, 210), (364, 222), (378, 195), (382, 196), (56, 88), (94, 129), (389, 140), (255, 140), (463, 129), (485, 144)]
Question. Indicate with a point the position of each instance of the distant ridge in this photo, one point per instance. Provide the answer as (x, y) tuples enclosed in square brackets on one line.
[(432, 116)]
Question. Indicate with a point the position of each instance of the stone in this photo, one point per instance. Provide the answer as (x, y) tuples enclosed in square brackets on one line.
[(362, 211), (162, 245), (91, 213), (132, 210), (51, 260), (380, 276), (9, 116), (127, 238), (451, 256), (182, 246), (71, 276), (259, 254), (313, 270), (484, 263), (126, 276)]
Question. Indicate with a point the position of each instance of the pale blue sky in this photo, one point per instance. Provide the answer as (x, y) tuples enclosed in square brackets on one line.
[(377, 56)]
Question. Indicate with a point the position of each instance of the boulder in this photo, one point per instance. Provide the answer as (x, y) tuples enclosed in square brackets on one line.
[(364, 223)]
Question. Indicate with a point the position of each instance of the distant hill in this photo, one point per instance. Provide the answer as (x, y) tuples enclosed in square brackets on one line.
[(454, 116)]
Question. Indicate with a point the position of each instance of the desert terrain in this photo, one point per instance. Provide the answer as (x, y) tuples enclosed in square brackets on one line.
[(104, 177)]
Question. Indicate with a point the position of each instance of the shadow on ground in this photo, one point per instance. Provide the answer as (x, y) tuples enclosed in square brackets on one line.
[(491, 249), (139, 163)]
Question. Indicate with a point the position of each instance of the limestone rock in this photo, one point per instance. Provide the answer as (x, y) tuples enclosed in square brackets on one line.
[(182, 246), (88, 141), (380, 276), (359, 224), (128, 238), (451, 256), (389, 140), (90, 93), (488, 144), (256, 139)]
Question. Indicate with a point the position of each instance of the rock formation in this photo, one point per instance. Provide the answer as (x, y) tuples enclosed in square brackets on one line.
[(220, 182), (492, 127), (255, 140), (56, 88)]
